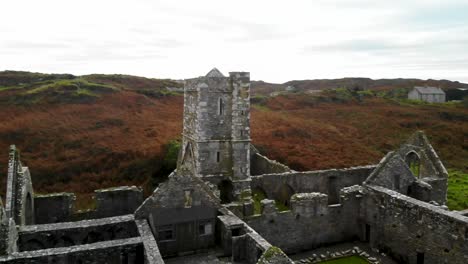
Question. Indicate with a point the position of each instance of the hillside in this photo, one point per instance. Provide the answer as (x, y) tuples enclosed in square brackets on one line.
[(264, 88), (80, 133)]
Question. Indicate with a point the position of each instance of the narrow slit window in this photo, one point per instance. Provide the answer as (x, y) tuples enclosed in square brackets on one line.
[(221, 106), (218, 156)]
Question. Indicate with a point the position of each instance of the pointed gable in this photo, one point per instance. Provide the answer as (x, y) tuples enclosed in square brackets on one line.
[(214, 73), (430, 164), (415, 165), (182, 191), (392, 173)]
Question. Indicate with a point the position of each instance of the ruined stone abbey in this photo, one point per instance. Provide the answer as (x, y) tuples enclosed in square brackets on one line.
[(227, 203)]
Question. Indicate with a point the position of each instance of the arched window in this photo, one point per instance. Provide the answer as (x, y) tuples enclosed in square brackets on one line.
[(221, 106), (413, 162)]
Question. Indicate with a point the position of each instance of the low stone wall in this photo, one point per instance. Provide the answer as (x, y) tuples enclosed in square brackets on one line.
[(241, 241), (260, 164), (152, 254), (408, 229), (356, 251), (109, 252), (53, 208), (311, 222), (324, 181), (59, 207), (37, 237)]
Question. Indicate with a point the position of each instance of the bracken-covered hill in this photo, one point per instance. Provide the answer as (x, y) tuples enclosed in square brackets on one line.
[(80, 133)]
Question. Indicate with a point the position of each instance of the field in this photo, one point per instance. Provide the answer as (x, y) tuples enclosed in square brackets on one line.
[(83, 133), (457, 197)]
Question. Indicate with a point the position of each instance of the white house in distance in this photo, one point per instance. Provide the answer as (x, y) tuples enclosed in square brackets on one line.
[(427, 94)]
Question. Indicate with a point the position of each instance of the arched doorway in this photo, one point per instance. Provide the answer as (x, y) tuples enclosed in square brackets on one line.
[(283, 195), (226, 191), (414, 163)]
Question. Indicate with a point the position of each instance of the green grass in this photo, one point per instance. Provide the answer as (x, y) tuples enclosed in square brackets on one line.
[(86, 92), (347, 260), (75, 84), (281, 207), (257, 197), (77, 90), (457, 195)]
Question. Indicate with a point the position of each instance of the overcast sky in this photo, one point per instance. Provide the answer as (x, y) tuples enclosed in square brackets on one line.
[(276, 41)]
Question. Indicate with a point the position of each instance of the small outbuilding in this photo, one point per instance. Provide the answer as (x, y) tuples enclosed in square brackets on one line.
[(427, 94)]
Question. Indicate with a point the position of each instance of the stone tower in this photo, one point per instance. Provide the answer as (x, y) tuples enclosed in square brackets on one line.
[(216, 134)]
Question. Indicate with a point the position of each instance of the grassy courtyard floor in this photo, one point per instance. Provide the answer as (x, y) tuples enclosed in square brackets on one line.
[(347, 260)]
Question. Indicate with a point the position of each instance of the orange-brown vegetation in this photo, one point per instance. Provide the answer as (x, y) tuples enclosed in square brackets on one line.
[(308, 135), (81, 147), (119, 138)]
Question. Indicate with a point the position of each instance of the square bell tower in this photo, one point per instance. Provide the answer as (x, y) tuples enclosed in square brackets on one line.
[(216, 134)]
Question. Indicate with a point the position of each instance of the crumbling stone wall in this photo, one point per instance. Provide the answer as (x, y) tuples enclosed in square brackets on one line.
[(404, 228), (244, 244), (35, 237), (312, 222), (118, 201), (59, 207), (260, 164), (8, 233), (53, 208), (152, 254), (122, 251), (20, 195), (329, 182)]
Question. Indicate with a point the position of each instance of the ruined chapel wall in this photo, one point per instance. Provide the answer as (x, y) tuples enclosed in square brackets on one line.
[(324, 181), (403, 226)]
